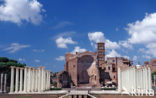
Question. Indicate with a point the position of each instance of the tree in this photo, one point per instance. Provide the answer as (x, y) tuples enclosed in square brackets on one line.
[(5, 64), (4, 59), (154, 73)]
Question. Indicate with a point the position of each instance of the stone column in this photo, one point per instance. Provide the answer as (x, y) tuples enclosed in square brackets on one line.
[(85, 96), (25, 79), (36, 79), (75, 96), (119, 79), (5, 82), (39, 79), (146, 77), (28, 80), (69, 96), (80, 96), (149, 79), (17, 77), (139, 79), (135, 82), (48, 79), (1, 82), (21, 79), (12, 80), (33, 79), (45, 81), (42, 79), (144, 80)]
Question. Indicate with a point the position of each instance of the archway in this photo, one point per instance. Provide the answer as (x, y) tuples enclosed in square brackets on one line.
[(84, 63)]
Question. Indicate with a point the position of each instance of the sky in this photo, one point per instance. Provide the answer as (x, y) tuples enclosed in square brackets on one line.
[(41, 32)]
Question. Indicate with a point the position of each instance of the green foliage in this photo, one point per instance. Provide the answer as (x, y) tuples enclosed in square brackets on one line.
[(108, 88), (5, 64), (4, 59), (55, 84), (15, 61), (154, 73), (56, 88)]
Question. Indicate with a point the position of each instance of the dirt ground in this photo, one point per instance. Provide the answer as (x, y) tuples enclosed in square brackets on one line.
[(57, 96)]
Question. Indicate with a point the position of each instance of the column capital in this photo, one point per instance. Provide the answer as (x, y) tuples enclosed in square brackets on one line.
[(12, 66), (29, 67), (21, 68), (17, 67), (41, 67)]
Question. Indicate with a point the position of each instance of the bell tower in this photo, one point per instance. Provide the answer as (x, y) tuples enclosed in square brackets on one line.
[(101, 53)]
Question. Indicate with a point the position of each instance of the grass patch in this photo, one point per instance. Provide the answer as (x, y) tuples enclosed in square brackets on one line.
[(56, 89), (108, 88)]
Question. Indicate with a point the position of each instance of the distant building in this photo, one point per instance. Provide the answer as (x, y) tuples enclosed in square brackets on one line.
[(89, 69), (152, 65)]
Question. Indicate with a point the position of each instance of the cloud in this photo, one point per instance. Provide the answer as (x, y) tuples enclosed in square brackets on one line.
[(21, 60), (37, 61), (62, 42), (142, 50), (135, 58), (60, 58), (17, 11), (127, 57), (78, 49), (14, 47), (96, 37), (126, 44), (64, 34), (146, 56), (151, 49), (62, 24), (111, 45), (38, 50), (113, 53), (144, 31)]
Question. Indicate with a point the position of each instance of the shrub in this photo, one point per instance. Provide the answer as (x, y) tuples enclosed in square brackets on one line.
[(108, 88), (56, 88)]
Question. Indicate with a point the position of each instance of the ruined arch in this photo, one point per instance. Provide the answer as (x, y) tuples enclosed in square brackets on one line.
[(84, 62)]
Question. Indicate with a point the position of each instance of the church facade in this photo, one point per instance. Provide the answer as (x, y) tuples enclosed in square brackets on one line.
[(89, 69)]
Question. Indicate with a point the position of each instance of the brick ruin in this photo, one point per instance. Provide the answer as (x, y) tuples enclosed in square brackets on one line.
[(89, 69)]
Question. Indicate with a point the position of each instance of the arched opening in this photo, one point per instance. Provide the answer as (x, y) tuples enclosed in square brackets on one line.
[(84, 63)]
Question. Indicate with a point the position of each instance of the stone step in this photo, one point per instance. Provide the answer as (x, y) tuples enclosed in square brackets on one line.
[(78, 96)]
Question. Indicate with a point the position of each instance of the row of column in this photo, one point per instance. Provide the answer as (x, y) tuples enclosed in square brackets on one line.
[(133, 78), (3, 82), (27, 79)]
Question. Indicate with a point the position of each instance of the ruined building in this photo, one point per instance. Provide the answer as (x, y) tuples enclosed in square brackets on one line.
[(89, 69), (151, 64)]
